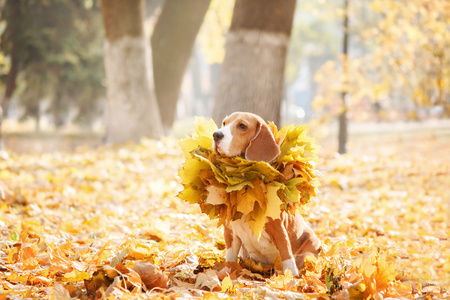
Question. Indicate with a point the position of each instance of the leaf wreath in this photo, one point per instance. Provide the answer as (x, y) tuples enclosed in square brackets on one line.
[(230, 188)]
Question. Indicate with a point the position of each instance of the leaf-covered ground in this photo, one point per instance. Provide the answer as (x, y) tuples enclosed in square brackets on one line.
[(106, 223)]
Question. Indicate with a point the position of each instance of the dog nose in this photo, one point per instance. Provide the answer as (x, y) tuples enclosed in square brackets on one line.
[(218, 135)]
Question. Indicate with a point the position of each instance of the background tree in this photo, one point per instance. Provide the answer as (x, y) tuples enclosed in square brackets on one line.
[(415, 37), (251, 77), (343, 122), (13, 44), (56, 59), (132, 110), (172, 41), (10, 43), (399, 70)]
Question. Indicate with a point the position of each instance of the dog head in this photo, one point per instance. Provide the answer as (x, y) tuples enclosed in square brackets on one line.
[(246, 135)]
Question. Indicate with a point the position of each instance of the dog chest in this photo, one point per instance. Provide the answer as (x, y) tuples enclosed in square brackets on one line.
[(261, 250)]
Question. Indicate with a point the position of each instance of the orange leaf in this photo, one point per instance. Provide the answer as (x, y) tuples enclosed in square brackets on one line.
[(30, 264), (59, 263), (367, 265), (283, 281), (29, 251), (384, 275)]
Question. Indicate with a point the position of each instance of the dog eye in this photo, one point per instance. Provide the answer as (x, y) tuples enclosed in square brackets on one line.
[(242, 126), (223, 123)]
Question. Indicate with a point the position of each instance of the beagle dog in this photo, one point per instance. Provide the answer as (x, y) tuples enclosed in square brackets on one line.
[(248, 136)]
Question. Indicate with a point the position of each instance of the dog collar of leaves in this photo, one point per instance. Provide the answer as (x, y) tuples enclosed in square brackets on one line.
[(231, 188)]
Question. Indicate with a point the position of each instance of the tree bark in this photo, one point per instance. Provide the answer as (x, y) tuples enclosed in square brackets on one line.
[(10, 80), (252, 75), (172, 42), (132, 111), (2, 144), (343, 123), (12, 74)]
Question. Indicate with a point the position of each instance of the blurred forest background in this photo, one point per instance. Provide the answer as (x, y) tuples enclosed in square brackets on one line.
[(114, 70)]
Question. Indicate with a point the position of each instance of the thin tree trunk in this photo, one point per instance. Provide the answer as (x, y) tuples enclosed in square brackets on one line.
[(58, 110), (343, 122), (12, 75), (10, 81), (442, 88), (132, 111), (2, 144), (251, 77), (9, 90), (172, 42)]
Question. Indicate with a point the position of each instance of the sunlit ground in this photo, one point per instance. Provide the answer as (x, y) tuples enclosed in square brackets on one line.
[(69, 213)]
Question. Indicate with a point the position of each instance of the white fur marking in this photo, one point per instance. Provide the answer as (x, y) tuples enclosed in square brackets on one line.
[(290, 264), (231, 255), (262, 249), (225, 143)]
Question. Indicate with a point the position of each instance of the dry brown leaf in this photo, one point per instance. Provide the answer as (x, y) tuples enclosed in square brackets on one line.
[(60, 293), (208, 280), (151, 276)]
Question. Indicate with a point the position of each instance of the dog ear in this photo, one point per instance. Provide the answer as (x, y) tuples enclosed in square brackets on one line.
[(263, 146)]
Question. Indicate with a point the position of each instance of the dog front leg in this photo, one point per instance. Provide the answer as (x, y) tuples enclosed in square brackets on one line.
[(280, 238), (233, 244)]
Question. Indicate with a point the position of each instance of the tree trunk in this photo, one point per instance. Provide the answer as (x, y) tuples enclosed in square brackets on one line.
[(10, 81), (59, 110), (343, 124), (251, 77), (2, 144), (132, 111), (172, 42), (12, 74)]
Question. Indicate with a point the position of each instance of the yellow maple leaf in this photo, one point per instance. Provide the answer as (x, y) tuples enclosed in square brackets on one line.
[(358, 291), (384, 274), (227, 284), (238, 187), (273, 201), (284, 281), (139, 250), (205, 127), (76, 275), (246, 199), (187, 145), (13, 255), (204, 130), (190, 195), (367, 265), (17, 277), (31, 226), (256, 220), (189, 174)]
